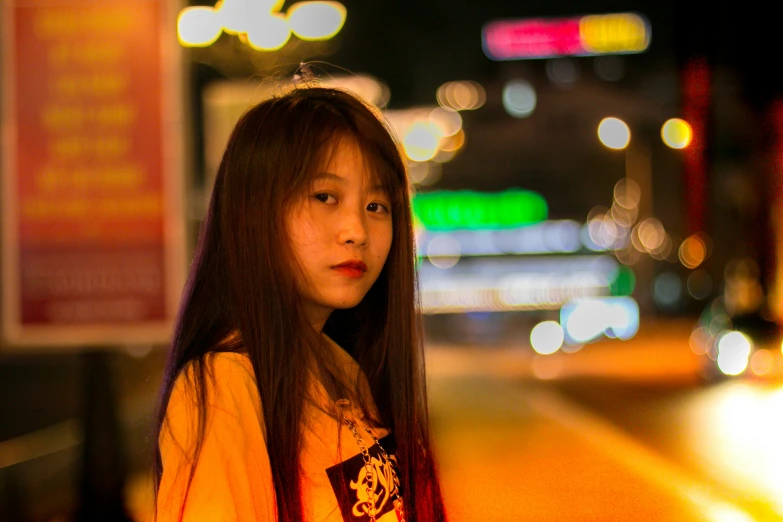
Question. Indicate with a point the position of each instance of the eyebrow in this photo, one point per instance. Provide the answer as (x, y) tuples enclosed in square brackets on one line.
[(330, 176)]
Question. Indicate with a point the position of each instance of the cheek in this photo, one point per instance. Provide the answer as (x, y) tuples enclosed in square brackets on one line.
[(384, 243), (303, 232)]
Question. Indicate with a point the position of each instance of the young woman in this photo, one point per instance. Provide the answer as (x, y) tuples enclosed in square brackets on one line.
[(295, 388)]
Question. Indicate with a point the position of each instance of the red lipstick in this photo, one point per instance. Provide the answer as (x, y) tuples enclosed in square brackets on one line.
[(353, 269)]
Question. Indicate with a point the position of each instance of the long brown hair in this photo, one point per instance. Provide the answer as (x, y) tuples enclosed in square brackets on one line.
[(242, 287)]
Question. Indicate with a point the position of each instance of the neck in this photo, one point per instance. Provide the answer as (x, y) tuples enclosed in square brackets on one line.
[(317, 316)]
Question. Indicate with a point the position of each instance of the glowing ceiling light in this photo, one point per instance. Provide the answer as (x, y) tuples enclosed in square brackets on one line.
[(198, 26), (614, 133), (316, 20), (676, 133)]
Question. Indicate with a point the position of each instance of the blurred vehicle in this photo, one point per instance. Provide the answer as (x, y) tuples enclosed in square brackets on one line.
[(737, 344)]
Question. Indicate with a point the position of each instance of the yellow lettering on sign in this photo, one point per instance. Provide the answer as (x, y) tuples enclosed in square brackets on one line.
[(87, 178), (615, 33), (90, 54), (79, 147), (97, 84), (145, 206), (57, 23), (70, 117)]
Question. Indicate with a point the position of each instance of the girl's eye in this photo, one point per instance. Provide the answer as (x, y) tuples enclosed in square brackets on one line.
[(377, 207), (323, 198)]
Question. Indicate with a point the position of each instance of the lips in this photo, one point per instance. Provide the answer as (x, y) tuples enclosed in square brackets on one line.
[(353, 265), (351, 269)]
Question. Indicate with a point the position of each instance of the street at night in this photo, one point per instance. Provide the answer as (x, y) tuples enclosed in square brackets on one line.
[(617, 431), (580, 203)]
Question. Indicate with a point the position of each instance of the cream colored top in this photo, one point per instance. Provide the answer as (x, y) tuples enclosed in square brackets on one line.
[(233, 478)]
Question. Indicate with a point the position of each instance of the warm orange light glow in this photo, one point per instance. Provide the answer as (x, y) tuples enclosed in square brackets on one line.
[(461, 96), (693, 251)]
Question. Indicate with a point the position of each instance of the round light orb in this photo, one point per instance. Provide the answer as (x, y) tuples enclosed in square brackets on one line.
[(614, 133), (198, 27), (676, 133), (519, 98), (547, 337)]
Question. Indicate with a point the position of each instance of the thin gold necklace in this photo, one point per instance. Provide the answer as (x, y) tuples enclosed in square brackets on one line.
[(394, 494)]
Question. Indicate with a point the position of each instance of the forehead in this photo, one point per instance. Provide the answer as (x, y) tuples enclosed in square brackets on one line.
[(347, 162)]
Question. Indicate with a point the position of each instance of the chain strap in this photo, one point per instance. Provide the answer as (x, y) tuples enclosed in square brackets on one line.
[(395, 493)]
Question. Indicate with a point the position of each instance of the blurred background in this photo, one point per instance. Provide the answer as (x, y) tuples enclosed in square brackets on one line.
[(597, 192)]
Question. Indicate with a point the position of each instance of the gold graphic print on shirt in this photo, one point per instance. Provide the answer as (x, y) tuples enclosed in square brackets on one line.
[(379, 483), (351, 478)]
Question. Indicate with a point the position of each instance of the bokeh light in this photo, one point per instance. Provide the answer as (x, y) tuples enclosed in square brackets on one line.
[(443, 251), (547, 337), (614, 133), (198, 26), (519, 98), (676, 133), (421, 141), (699, 340), (693, 251), (667, 289), (627, 193), (733, 352), (316, 20), (268, 33), (449, 122), (651, 234), (762, 363), (461, 95), (453, 142)]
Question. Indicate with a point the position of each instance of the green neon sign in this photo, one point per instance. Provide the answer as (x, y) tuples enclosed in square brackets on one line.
[(467, 209), (623, 281)]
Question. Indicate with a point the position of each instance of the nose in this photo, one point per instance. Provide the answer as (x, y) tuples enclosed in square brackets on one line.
[(353, 228)]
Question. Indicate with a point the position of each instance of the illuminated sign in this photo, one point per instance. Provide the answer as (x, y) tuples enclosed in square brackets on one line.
[(579, 36), (465, 209), (260, 23), (93, 230), (513, 284)]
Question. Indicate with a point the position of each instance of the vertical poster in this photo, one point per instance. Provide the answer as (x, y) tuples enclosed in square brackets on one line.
[(92, 185)]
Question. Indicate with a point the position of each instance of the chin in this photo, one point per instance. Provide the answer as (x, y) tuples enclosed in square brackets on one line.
[(344, 302)]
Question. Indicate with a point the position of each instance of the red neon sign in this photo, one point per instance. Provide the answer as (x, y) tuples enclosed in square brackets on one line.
[(578, 36)]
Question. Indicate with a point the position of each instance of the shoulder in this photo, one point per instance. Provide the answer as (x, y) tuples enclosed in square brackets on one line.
[(228, 387)]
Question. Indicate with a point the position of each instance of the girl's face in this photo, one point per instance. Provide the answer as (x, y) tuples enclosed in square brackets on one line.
[(341, 233)]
